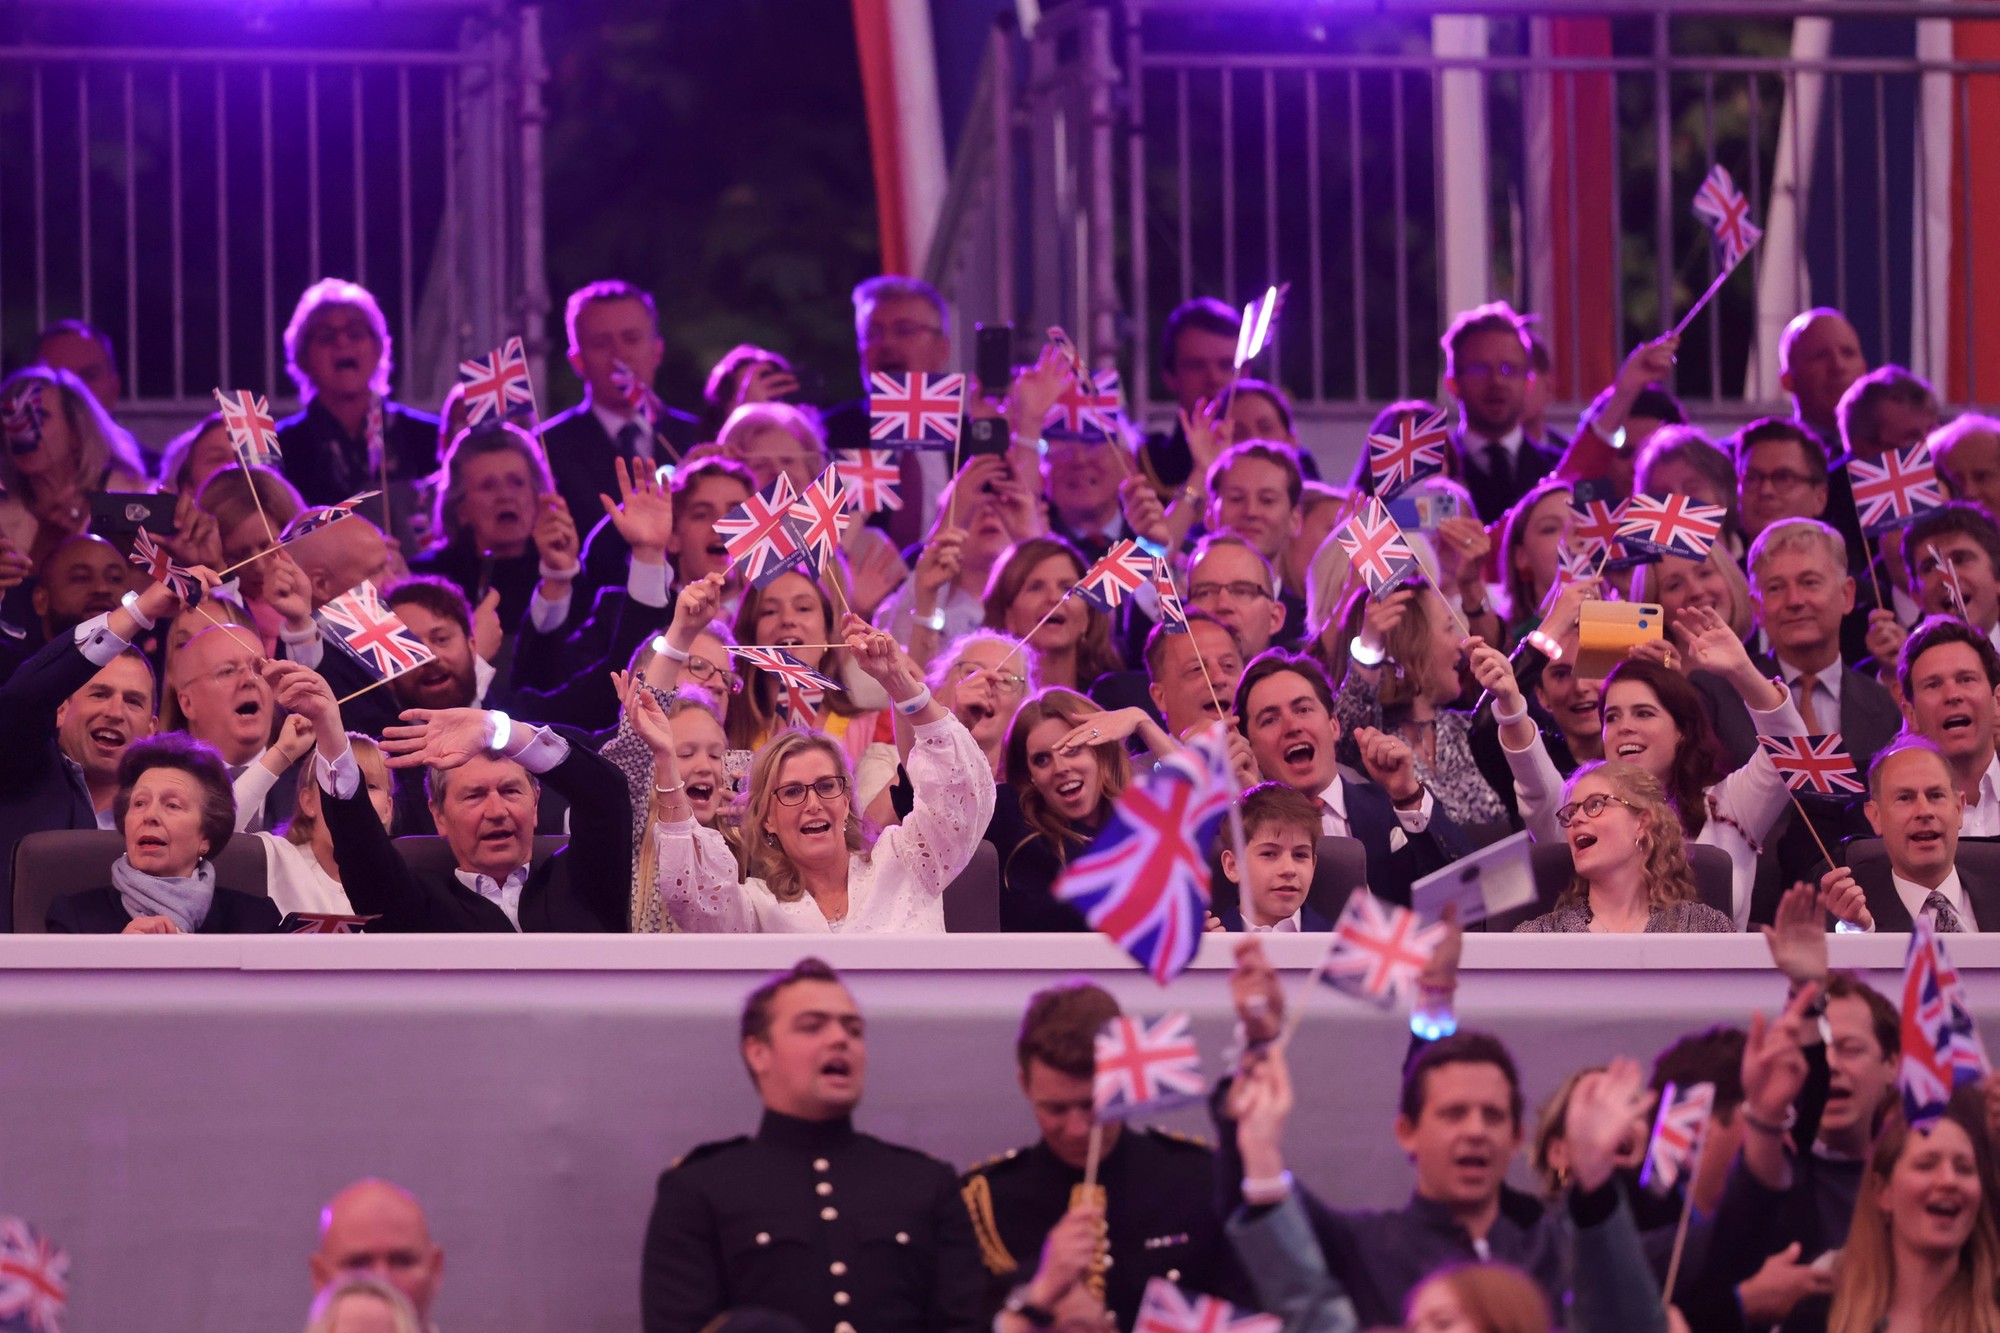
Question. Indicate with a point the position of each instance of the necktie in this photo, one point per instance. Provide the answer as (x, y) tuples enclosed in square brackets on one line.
[(632, 441), (1804, 687), (906, 525), (1943, 920), (1496, 461)]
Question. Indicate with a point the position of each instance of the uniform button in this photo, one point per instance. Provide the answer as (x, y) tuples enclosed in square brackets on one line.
[(1107, 1261), (828, 1214), (825, 1188), (840, 1298), (821, 1164), (1173, 1275), (763, 1238), (902, 1238), (838, 1269)]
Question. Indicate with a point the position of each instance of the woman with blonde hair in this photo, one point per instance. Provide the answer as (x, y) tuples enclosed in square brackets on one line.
[(60, 449), (299, 866), (1678, 584), (1531, 547), (1034, 580), (362, 1303), (1631, 863), (811, 868)]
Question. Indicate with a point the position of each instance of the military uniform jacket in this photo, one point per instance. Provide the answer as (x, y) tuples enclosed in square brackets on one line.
[(1159, 1212), (841, 1231)]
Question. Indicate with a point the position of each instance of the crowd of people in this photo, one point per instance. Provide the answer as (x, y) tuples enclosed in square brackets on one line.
[(588, 626)]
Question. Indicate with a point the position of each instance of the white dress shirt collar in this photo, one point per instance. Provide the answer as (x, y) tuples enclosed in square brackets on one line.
[(1333, 810), (614, 421), (506, 896), (1914, 896), (1829, 683), (1982, 817), (1476, 445), (1289, 926)]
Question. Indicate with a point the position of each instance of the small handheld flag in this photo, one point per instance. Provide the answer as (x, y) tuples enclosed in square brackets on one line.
[(1896, 490), (1166, 1309), (377, 430), (1941, 1048), (1414, 452), (1375, 546), (496, 384), (1677, 1132), (1819, 763), (1670, 525), (247, 418), (1090, 409), (639, 397), (1595, 516), (1143, 1067), (23, 417), (1143, 880), (915, 409), (871, 477), (330, 923), (1378, 950), (1125, 568), (34, 1272), (786, 667), (1172, 614), (759, 536), (315, 519), (159, 565), (362, 621), (819, 519), (1722, 206)]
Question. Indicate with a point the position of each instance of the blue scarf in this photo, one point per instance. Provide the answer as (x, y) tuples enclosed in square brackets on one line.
[(181, 899)]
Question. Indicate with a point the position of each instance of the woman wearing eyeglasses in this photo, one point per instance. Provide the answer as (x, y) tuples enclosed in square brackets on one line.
[(1632, 871), (811, 870)]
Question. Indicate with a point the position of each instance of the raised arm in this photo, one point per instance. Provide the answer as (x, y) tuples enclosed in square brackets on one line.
[(697, 878)]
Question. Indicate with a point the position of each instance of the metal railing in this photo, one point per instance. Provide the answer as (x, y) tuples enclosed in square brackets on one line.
[(1395, 164), (182, 199)]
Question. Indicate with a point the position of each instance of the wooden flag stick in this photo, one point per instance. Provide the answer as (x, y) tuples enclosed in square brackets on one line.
[(251, 482), (1869, 554), (251, 560), (363, 690), (1797, 805), (1299, 1010), (1094, 1155), (1681, 1231), (1713, 288), (1014, 652)]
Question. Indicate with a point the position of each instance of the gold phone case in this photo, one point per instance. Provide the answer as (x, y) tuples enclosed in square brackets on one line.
[(1607, 631)]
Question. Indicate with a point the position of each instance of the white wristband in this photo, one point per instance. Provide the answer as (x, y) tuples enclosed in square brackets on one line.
[(667, 650), (1361, 653), (554, 575), (299, 638), (130, 601), (1508, 719), (1266, 1189), (916, 703), (503, 730)]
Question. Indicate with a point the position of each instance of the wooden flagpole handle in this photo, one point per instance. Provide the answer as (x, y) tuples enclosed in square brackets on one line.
[(363, 690)]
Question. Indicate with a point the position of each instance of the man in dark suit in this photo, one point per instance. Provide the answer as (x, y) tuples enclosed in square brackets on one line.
[(1915, 808), (610, 322), (218, 680), (1887, 409), (66, 716), (1284, 705), (808, 1217), (1155, 1191), (1488, 370), (1281, 833), (484, 797)]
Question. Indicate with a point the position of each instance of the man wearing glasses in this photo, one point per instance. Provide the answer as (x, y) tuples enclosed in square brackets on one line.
[(1780, 474), (1230, 579), (218, 682), (900, 327), (1487, 370)]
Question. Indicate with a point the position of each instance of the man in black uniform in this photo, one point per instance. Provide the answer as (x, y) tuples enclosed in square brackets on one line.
[(1156, 1190), (837, 1229)]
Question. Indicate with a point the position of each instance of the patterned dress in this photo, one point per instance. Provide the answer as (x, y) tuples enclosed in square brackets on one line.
[(1453, 777)]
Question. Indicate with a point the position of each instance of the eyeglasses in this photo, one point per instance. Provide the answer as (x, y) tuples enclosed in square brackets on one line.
[(1489, 370), (1008, 681), (1239, 592), (332, 331), (705, 672), (229, 676), (794, 793), (1592, 806), (1783, 480)]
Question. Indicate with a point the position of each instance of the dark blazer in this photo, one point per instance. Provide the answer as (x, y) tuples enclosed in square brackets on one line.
[(327, 465), (1310, 918), (1494, 493), (1892, 917), (102, 912), (1028, 903), (566, 678), (39, 787), (1391, 874), (1869, 718), (585, 887), (514, 576), (582, 454)]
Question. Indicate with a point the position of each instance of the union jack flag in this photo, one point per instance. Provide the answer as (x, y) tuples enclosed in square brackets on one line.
[(1375, 546), (377, 430), (1941, 1048), (757, 535), (374, 633), (871, 477), (22, 416), (496, 384), (33, 1278), (785, 667), (1145, 1068), (1166, 1309), (1089, 409), (1414, 452), (1818, 762), (1572, 567), (1670, 525), (798, 707), (315, 519), (1125, 568), (1722, 206), (819, 519), (915, 409), (247, 417), (330, 923), (1949, 569), (639, 397), (1896, 491), (1143, 880), (1172, 613), (1677, 1130), (159, 565), (1378, 950), (1595, 515)]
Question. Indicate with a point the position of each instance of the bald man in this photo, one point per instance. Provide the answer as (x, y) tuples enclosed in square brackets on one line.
[(1819, 356), (379, 1228), (83, 576)]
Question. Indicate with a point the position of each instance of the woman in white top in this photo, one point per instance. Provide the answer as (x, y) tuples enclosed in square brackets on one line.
[(299, 869), (1653, 718), (810, 868)]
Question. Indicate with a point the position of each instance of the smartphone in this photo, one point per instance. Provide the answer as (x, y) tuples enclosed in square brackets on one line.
[(1423, 513), (985, 435), (128, 511), (1607, 631), (993, 358)]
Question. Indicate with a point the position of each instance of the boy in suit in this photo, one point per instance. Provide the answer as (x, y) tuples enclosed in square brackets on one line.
[(1280, 854)]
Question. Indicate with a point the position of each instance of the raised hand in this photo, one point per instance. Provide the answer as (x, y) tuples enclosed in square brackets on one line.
[(1711, 645), (698, 604), (1797, 937), (287, 590), (304, 692), (1602, 1109), (1254, 989), (649, 720), (295, 737), (1462, 545), (1885, 638), (488, 636), (1389, 763), (1441, 973), (764, 382), (1103, 728), (874, 571), (938, 564), (437, 737), (1066, 1255), (1036, 389), (1381, 617), (1260, 1101), (196, 540), (554, 533), (14, 567), (1650, 363), (1209, 431), (1774, 1067), (643, 512), (1840, 894), (1494, 672), (1144, 513)]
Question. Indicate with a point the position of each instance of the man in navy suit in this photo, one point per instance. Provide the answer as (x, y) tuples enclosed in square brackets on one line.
[(610, 322), (1284, 704), (1280, 852), (1915, 807), (1488, 369)]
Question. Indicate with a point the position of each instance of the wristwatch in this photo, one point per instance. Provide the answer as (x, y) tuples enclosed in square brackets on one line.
[(1019, 1304)]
